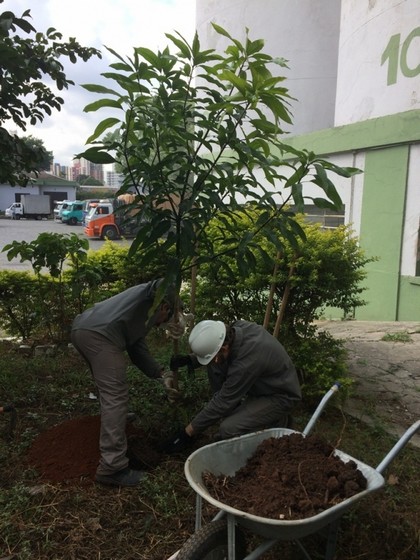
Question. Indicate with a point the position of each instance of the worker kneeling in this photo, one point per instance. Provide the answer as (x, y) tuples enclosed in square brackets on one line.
[(254, 382)]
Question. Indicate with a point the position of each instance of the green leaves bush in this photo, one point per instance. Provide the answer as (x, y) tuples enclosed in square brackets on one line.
[(325, 270), (19, 310)]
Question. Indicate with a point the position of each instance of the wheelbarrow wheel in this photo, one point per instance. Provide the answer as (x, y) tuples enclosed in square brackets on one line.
[(211, 543)]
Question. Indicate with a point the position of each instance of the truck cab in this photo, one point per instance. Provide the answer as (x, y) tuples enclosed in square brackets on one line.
[(15, 211), (99, 222), (88, 205), (73, 214), (59, 208), (103, 222)]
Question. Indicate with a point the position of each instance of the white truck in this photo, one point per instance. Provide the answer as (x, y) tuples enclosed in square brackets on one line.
[(36, 206)]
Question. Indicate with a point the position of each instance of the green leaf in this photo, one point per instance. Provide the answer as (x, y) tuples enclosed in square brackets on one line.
[(95, 88), (150, 56), (323, 203), (277, 107), (102, 126), (102, 103), (264, 126), (95, 155), (221, 31), (122, 66), (182, 46)]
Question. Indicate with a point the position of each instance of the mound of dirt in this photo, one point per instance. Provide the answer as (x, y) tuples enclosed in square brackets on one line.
[(69, 452), (291, 477)]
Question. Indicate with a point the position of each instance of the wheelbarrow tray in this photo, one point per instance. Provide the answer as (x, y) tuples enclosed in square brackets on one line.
[(226, 457)]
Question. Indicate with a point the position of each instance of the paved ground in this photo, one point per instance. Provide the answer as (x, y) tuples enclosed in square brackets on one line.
[(386, 372), (28, 230)]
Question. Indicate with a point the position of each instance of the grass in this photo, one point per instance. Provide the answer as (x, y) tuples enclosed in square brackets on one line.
[(401, 336), (89, 522)]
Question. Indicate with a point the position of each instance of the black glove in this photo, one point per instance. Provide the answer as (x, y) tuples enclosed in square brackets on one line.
[(177, 443), (179, 361)]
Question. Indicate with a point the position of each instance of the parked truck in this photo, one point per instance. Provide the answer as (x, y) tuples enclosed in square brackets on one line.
[(108, 220), (60, 205), (35, 206), (73, 213)]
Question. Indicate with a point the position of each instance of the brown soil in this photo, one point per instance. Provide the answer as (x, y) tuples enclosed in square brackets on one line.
[(291, 477), (69, 452)]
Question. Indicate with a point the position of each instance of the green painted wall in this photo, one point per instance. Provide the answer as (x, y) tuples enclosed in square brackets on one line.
[(409, 300), (381, 229), (386, 141), (373, 133)]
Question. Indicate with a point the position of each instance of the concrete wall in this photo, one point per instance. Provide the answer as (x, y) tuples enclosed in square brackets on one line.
[(304, 32), (379, 59), (385, 204)]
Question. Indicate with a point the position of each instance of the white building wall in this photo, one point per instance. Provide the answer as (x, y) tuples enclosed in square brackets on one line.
[(412, 215), (304, 32), (379, 59)]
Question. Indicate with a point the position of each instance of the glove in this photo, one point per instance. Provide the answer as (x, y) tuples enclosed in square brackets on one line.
[(178, 443), (168, 383), (176, 329), (179, 361)]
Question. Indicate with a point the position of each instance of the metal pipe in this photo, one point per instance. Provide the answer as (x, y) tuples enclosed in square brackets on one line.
[(320, 408), (402, 442)]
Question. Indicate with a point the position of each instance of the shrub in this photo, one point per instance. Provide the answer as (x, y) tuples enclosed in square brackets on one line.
[(20, 313)]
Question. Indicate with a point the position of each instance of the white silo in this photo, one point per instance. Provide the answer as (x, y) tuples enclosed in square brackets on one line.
[(304, 32), (379, 59)]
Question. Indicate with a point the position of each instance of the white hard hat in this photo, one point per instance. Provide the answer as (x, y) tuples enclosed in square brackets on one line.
[(206, 339)]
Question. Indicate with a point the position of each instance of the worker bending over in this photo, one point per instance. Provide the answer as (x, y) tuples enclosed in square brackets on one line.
[(253, 380)]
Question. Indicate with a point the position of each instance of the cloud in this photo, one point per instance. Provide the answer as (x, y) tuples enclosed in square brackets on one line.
[(121, 26)]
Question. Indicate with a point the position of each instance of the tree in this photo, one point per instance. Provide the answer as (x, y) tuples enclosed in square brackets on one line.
[(25, 64), (201, 132), (45, 157), (87, 180)]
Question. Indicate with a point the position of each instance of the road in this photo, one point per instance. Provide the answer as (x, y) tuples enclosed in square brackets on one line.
[(28, 230)]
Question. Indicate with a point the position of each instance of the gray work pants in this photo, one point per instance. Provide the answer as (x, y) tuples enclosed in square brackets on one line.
[(108, 366), (255, 413)]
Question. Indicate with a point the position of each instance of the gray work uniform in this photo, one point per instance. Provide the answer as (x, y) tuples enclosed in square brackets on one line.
[(102, 334), (256, 388)]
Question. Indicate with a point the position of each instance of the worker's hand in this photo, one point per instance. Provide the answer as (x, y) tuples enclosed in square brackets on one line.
[(173, 394), (177, 443), (180, 360), (175, 329)]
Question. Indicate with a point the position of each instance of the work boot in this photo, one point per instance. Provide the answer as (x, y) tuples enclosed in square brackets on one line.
[(131, 417), (125, 477)]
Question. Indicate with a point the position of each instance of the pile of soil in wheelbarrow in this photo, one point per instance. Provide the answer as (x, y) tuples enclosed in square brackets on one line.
[(69, 452), (291, 477)]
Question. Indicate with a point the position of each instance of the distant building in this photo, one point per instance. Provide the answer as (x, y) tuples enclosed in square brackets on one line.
[(84, 167), (114, 179), (47, 183)]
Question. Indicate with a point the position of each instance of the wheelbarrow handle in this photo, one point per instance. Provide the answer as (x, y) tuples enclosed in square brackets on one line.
[(402, 442), (320, 408)]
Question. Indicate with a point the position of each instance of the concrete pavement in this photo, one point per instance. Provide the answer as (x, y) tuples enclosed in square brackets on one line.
[(384, 362)]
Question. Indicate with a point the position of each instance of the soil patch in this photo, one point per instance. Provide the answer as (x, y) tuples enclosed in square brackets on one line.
[(291, 477), (69, 452)]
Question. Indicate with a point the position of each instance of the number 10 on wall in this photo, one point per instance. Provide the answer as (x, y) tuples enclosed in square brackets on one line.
[(398, 58)]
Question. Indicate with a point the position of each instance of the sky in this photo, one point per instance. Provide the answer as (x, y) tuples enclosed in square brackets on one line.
[(118, 24)]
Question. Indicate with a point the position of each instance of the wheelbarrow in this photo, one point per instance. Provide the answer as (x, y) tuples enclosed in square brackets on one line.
[(223, 538)]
